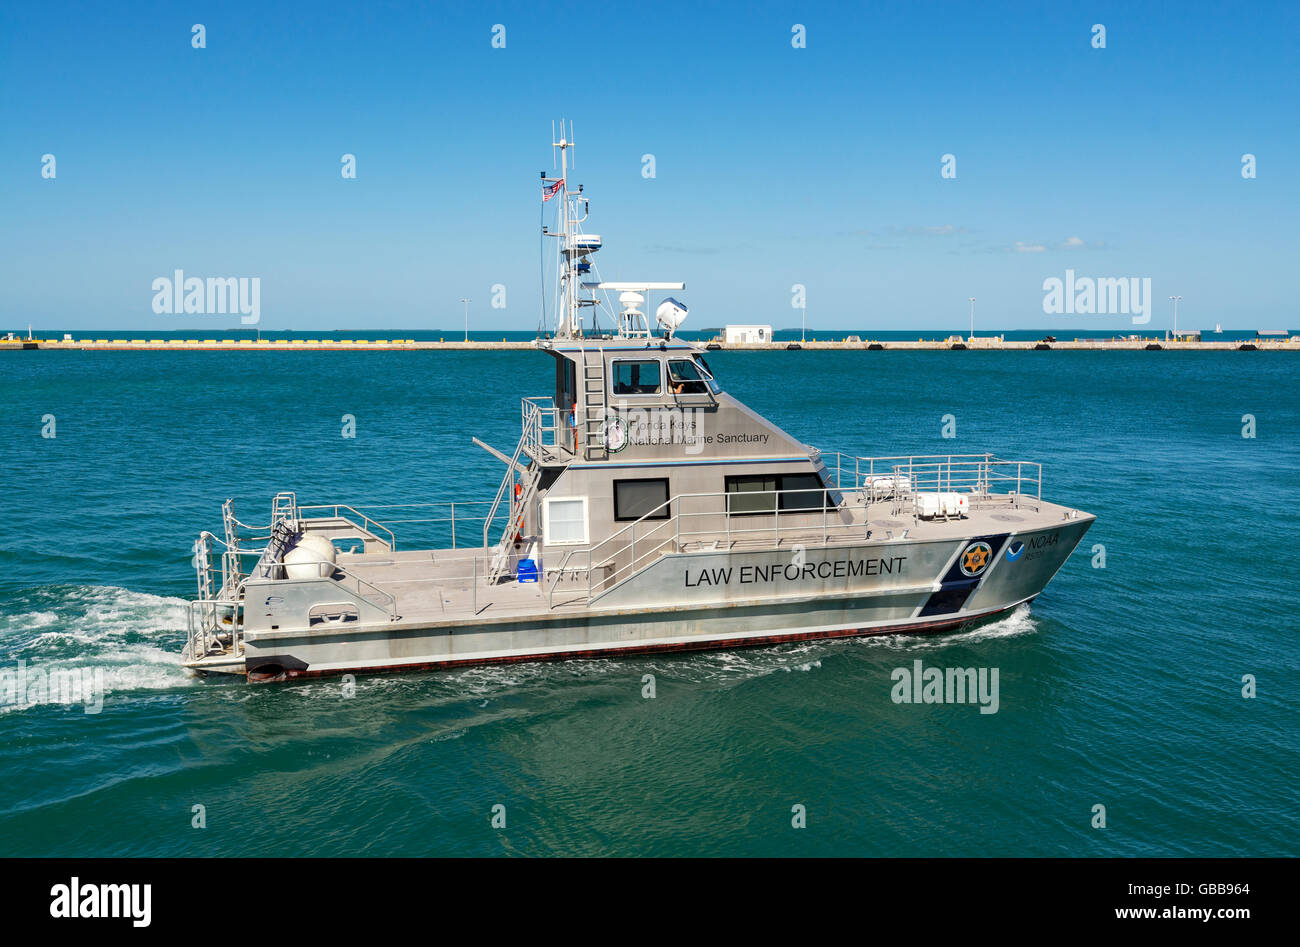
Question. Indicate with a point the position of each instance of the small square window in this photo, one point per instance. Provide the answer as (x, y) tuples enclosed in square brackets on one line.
[(564, 521), (634, 499)]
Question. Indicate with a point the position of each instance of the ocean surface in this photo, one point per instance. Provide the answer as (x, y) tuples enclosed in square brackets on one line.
[(1120, 687)]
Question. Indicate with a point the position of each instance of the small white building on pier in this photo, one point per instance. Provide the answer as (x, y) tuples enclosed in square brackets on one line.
[(747, 334)]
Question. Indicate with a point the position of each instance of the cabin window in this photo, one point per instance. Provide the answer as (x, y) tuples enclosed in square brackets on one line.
[(708, 374), (751, 494), (634, 499), (759, 494), (564, 521), (639, 377), (814, 499), (684, 377)]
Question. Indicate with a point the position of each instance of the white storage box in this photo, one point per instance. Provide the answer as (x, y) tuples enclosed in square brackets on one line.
[(927, 505), (954, 504), (930, 505)]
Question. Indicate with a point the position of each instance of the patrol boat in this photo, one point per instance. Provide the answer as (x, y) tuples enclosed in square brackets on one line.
[(644, 509)]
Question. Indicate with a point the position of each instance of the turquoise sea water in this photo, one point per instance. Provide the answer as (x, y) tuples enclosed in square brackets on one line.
[(1121, 686)]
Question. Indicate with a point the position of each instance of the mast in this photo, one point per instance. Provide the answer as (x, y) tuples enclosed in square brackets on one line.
[(574, 260), (570, 297), (566, 319)]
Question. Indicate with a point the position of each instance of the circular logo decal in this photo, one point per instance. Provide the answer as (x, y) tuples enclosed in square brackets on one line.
[(615, 434), (1014, 551), (975, 559)]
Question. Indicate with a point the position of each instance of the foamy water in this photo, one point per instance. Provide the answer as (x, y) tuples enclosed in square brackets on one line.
[(119, 640)]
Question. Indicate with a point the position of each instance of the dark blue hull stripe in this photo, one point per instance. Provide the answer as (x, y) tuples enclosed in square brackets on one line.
[(956, 586)]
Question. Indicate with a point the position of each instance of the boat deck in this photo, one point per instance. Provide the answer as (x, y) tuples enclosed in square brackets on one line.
[(432, 586)]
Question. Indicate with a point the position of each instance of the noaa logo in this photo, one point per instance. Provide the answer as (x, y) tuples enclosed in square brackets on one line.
[(1014, 551), (614, 432), (975, 559)]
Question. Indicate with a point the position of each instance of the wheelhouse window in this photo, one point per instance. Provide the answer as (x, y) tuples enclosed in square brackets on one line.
[(708, 374), (802, 492), (636, 377), (564, 521), (751, 494), (764, 493), (634, 499), (684, 377)]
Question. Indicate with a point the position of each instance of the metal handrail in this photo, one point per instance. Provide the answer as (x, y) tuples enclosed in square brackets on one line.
[(881, 466), (203, 631), (536, 410), (502, 490), (387, 600), (367, 524), (644, 539)]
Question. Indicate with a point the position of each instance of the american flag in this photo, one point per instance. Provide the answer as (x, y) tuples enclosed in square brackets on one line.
[(551, 190)]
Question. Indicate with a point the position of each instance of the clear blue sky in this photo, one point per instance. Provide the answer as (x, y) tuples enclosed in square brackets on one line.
[(775, 165)]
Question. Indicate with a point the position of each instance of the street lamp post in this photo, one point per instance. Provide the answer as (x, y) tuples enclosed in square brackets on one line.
[(466, 301), (972, 319), (1175, 299)]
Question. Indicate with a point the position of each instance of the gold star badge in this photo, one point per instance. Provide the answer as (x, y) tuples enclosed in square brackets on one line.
[(975, 558)]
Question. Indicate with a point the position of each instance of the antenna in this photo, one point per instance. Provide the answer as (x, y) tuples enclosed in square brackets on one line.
[(552, 144), (573, 162)]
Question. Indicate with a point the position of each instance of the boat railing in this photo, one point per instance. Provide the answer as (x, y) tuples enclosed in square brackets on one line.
[(362, 521), (544, 430), (817, 516), (982, 481), (504, 492), (367, 591), (849, 472), (206, 631), (707, 521), (448, 514), (981, 475)]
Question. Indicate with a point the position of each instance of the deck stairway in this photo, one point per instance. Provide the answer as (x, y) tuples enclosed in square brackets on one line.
[(519, 503)]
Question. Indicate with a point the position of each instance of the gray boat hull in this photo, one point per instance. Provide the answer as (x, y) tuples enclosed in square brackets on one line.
[(810, 598)]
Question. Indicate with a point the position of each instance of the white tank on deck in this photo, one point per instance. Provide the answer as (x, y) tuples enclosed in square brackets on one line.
[(304, 560)]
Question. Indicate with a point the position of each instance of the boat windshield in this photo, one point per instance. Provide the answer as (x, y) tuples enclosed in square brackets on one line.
[(708, 374), (685, 377)]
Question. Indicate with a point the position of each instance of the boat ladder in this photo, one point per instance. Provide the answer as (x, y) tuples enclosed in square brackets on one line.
[(595, 406)]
